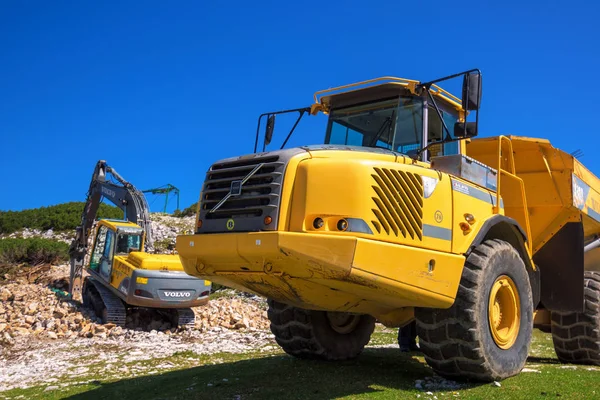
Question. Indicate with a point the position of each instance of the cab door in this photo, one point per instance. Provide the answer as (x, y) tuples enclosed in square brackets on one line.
[(102, 255)]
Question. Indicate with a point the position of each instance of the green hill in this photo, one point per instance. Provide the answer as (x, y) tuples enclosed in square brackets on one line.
[(59, 217)]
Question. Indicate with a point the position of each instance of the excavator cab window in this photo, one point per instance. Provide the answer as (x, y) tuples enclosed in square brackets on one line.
[(107, 255), (98, 248), (127, 243)]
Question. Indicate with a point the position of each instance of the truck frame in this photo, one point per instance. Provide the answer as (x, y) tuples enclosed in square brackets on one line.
[(403, 215)]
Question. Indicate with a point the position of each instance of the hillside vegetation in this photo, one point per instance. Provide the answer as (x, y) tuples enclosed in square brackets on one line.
[(59, 217), (32, 251), (191, 210)]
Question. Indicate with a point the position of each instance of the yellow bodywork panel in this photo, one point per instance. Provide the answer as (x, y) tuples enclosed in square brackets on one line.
[(123, 266), (325, 271), (327, 189)]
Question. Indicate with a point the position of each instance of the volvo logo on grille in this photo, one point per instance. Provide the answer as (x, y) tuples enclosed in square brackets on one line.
[(236, 188)]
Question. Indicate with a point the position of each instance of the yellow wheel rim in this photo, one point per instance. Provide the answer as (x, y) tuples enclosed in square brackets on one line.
[(504, 312)]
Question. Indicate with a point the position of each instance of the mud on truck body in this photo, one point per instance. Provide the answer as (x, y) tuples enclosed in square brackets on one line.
[(400, 215)]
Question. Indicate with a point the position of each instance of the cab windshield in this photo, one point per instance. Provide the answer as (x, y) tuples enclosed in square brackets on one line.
[(128, 242), (395, 124)]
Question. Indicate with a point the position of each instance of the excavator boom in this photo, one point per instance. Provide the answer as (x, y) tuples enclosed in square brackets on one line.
[(123, 195)]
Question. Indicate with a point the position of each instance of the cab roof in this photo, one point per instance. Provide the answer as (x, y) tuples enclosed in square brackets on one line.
[(376, 89), (115, 224)]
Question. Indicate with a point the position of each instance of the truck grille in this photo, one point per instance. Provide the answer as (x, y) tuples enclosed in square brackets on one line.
[(250, 203), (398, 198)]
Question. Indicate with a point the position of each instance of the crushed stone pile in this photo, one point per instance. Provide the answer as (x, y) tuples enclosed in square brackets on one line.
[(33, 310), (165, 229)]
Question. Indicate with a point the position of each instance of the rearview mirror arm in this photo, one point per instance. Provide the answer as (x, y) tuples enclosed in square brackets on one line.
[(301, 110), (448, 135)]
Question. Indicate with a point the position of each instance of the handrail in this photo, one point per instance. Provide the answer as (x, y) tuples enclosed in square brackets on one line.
[(512, 174), (438, 91)]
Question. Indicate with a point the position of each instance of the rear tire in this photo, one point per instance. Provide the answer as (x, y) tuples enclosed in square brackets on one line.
[(318, 334), (486, 334), (576, 336)]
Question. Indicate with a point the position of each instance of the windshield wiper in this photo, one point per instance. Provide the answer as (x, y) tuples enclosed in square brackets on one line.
[(387, 121)]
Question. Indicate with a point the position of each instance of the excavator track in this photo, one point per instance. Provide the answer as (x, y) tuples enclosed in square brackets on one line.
[(113, 309), (185, 317)]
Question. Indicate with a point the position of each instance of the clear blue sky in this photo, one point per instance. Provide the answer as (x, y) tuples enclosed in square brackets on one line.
[(163, 89)]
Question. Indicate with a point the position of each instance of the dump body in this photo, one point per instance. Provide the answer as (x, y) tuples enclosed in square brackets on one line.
[(562, 213), (559, 189)]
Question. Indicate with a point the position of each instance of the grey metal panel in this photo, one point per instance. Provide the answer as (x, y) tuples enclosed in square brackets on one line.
[(162, 283), (437, 232), (467, 168), (477, 193)]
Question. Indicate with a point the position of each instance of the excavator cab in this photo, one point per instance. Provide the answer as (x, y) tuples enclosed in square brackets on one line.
[(114, 238)]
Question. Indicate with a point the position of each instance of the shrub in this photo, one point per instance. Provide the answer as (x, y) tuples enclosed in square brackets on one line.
[(59, 217), (32, 251), (191, 210)]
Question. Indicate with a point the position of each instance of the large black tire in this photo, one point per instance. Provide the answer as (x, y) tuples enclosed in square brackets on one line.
[(458, 342), (309, 333), (576, 336)]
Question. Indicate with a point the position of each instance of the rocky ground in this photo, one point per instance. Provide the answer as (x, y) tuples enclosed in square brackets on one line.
[(43, 331), (45, 335), (43, 311)]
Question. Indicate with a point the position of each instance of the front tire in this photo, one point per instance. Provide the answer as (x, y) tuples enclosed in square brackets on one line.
[(318, 334), (576, 336), (486, 334)]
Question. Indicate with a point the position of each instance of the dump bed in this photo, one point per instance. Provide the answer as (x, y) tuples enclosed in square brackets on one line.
[(558, 189)]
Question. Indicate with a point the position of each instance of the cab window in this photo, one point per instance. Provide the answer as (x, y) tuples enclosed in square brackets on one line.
[(127, 243), (107, 255), (390, 124), (98, 248), (436, 132)]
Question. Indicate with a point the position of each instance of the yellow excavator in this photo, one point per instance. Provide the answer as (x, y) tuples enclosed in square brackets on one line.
[(122, 273), (402, 215)]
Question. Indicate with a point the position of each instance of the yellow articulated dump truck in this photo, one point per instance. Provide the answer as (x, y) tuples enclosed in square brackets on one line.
[(402, 215)]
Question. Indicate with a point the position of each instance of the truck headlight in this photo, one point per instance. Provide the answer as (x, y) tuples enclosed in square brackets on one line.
[(429, 185)]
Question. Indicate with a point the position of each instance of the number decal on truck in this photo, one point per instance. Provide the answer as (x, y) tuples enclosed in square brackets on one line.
[(230, 224)]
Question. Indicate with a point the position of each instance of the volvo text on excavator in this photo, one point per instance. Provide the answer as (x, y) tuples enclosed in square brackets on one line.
[(122, 273)]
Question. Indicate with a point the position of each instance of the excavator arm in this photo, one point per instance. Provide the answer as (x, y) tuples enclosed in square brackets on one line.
[(123, 195)]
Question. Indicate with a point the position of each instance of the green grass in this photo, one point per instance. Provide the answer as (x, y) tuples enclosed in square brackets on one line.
[(379, 373)]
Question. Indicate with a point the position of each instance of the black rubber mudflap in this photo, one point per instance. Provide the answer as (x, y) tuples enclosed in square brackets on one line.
[(561, 269)]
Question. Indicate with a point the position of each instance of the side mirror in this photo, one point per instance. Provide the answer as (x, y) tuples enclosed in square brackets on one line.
[(470, 130), (471, 92), (269, 129)]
